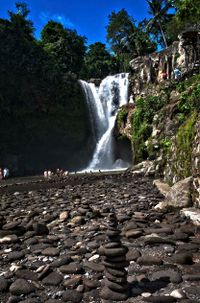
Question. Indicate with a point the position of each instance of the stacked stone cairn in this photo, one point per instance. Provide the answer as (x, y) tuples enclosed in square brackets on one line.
[(115, 285), (85, 209)]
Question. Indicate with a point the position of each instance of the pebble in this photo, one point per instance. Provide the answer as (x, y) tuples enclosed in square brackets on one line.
[(21, 287), (53, 279), (72, 296), (72, 268), (61, 245), (3, 284)]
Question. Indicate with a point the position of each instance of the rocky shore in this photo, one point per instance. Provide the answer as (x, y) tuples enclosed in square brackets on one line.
[(79, 238)]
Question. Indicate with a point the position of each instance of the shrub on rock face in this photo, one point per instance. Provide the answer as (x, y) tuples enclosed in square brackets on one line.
[(179, 156)]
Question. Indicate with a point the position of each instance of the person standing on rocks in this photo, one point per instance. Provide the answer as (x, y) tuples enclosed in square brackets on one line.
[(177, 74), (5, 173), (1, 175)]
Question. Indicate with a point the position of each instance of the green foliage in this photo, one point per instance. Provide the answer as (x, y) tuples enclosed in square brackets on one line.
[(120, 26), (40, 98), (147, 107), (19, 24), (181, 117), (187, 15), (122, 117), (140, 136), (182, 86), (141, 124), (98, 62), (189, 100), (184, 140), (65, 46), (157, 25), (166, 143), (126, 39)]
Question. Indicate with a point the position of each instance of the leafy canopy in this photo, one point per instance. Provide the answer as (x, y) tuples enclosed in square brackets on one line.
[(126, 39), (187, 15), (65, 46), (160, 18), (98, 62)]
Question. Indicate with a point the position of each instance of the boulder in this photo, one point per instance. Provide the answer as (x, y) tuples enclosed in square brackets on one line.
[(179, 195), (163, 188)]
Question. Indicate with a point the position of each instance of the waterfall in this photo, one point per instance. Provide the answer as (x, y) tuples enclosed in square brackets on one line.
[(103, 106), (96, 111)]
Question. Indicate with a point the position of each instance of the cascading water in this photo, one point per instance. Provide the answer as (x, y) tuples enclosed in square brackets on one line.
[(96, 111), (103, 107)]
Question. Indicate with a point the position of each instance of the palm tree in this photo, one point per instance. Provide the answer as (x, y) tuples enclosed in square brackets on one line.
[(160, 17)]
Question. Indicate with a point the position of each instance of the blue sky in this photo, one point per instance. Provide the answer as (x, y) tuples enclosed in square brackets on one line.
[(88, 17)]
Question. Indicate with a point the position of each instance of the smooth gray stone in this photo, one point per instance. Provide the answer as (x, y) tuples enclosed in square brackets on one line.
[(115, 252), (119, 287), (160, 299), (72, 296), (149, 260), (3, 284), (94, 266), (53, 279), (172, 274), (21, 287), (71, 268), (116, 272), (181, 258), (108, 294), (26, 274)]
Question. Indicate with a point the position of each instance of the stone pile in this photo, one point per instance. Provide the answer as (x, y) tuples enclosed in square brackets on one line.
[(115, 286), (85, 208)]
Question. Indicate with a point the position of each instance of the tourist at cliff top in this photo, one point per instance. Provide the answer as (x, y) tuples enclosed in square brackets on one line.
[(177, 73), (164, 75)]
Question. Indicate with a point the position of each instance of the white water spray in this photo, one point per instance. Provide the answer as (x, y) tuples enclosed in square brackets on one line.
[(103, 107)]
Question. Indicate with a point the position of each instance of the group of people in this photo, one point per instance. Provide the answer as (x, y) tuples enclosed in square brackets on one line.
[(4, 173), (176, 74), (58, 173)]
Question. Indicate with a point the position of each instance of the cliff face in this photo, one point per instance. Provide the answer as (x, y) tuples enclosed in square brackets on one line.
[(158, 67), (163, 124)]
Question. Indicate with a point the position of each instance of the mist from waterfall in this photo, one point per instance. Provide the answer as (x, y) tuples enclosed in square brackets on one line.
[(103, 105)]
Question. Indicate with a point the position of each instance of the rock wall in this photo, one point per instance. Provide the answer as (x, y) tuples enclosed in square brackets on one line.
[(196, 165), (159, 66), (163, 122)]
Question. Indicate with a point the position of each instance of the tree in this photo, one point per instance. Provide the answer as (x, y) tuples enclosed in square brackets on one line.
[(120, 26), (98, 62), (140, 43), (159, 9), (127, 40), (187, 15), (65, 46), (19, 22)]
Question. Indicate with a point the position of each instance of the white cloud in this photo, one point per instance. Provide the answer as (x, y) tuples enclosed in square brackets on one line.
[(46, 16)]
